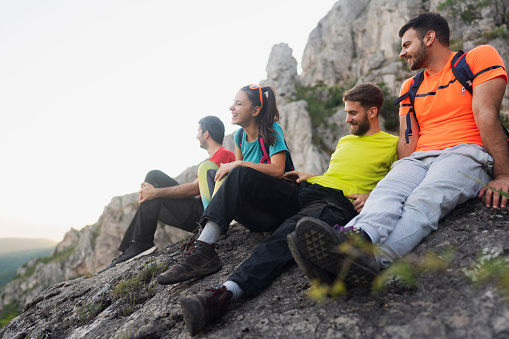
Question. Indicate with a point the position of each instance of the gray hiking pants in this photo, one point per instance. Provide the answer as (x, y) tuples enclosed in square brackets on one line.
[(417, 192)]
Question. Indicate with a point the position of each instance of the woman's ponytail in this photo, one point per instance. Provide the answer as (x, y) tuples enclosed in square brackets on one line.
[(268, 112)]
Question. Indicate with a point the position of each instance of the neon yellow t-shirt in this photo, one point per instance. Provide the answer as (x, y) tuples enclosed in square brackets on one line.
[(359, 163)]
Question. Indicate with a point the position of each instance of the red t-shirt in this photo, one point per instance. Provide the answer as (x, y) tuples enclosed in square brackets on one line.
[(443, 109), (222, 156)]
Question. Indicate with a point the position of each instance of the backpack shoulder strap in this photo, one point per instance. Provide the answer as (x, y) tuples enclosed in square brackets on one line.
[(240, 135), (266, 158), (265, 150), (465, 76), (412, 92), (462, 71)]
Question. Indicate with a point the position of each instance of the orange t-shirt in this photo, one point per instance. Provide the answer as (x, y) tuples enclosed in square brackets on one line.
[(444, 109)]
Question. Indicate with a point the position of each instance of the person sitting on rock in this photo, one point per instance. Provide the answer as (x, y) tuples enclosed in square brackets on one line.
[(163, 199), (456, 136), (264, 203), (255, 110)]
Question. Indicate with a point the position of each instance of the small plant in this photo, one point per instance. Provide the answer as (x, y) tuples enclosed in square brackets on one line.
[(152, 269), (488, 269), (502, 193), (9, 312), (126, 286), (150, 288), (88, 311), (323, 101), (128, 335), (128, 308)]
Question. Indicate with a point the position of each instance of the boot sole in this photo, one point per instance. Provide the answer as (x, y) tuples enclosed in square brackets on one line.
[(319, 243), (311, 270), (190, 309)]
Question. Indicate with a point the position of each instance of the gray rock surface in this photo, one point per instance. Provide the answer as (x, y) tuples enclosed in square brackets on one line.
[(442, 304)]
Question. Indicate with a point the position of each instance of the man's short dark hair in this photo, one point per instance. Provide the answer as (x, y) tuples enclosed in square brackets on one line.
[(215, 127), (367, 94), (425, 22)]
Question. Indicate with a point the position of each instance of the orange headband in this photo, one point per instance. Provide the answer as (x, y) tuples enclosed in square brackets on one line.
[(253, 87)]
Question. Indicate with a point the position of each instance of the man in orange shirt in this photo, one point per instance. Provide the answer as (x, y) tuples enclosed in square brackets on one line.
[(455, 134)]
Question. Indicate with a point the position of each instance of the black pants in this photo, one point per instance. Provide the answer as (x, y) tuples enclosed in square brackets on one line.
[(182, 213), (263, 203)]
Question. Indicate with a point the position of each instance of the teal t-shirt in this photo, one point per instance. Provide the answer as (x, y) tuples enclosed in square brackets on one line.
[(252, 152)]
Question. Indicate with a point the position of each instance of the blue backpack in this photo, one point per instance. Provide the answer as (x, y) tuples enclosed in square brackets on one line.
[(462, 73), (265, 150)]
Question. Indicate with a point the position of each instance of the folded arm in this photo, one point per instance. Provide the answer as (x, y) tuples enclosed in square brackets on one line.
[(149, 192)]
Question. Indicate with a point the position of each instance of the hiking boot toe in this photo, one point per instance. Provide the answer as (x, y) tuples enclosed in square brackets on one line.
[(202, 308), (200, 261)]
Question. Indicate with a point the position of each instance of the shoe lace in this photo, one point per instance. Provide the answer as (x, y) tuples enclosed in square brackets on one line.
[(221, 297), (346, 228), (189, 244)]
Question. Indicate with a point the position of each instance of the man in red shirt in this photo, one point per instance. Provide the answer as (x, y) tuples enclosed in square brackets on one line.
[(456, 136), (163, 199)]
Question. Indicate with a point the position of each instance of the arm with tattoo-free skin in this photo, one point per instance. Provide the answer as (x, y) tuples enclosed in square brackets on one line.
[(149, 192), (486, 101), (275, 169), (404, 148)]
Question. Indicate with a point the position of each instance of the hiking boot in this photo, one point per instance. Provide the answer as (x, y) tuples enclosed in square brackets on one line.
[(202, 308), (311, 270), (348, 256), (199, 261), (134, 250)]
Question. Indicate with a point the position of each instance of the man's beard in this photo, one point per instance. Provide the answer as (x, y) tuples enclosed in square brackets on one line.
[(362, 128), (418, 59)]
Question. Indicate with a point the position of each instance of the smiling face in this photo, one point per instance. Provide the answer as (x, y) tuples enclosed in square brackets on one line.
[(201, 138), (357, 118), (243, 112), (413, 50)]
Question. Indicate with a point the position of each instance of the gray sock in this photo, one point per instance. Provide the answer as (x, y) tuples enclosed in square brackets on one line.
[(211, 233), (234, 288)]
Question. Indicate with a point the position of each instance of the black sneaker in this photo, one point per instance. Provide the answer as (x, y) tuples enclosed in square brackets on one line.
[(312, 271), (134, 250), (202, 308), (346, 255), (199, 261)]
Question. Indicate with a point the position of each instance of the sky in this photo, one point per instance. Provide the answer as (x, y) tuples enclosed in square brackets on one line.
[(96, 93)]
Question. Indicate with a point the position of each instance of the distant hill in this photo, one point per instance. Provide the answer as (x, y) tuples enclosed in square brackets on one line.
[(15, 252), (8, 245)]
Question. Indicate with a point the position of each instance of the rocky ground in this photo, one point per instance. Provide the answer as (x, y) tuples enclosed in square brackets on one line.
[(443, 303)]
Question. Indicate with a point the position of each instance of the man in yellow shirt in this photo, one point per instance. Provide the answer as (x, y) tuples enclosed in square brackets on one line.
[(263, 203)]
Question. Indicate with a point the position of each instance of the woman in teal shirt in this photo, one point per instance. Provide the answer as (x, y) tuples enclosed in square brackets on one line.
[(254, 109)]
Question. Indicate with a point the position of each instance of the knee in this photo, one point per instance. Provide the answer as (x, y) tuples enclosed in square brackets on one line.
[(241, 172), (152, 176), (206, 166)]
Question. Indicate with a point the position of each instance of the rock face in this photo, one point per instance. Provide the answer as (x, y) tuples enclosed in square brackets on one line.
[(443, 303), (81, 252), (356, 41)]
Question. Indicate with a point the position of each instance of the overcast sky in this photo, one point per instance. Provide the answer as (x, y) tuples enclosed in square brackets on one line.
[(95, 93)]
